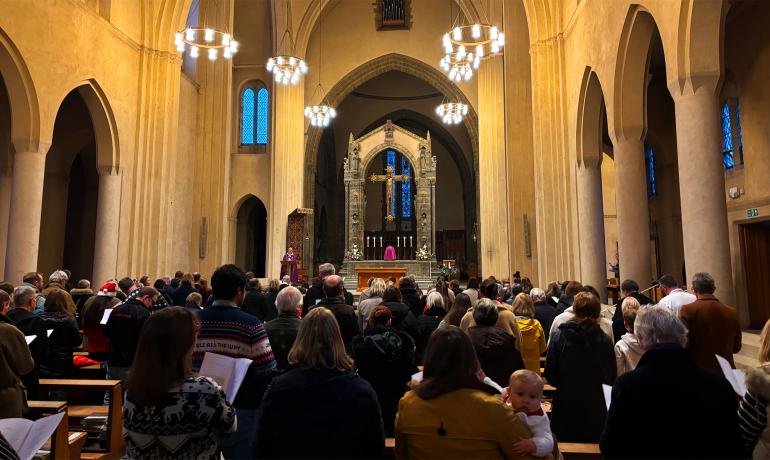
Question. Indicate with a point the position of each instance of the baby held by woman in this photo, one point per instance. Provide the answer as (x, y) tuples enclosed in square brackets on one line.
[(525, 396)]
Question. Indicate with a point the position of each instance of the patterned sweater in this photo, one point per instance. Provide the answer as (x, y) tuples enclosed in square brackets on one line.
[(186, 425), (227, 330)]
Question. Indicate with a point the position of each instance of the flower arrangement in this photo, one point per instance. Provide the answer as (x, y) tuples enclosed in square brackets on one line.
[(423, 253), (449, 271), (354, 253)]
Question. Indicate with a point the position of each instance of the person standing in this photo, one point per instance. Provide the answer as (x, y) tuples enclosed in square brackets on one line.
[(35, 281), (15, 361), (25, 302), (58, 280), (628, 288), (344, 313), (675, 297), (293, 272), (123, 328), (227, 330), (282, 331), (713, 327), (64, 337)]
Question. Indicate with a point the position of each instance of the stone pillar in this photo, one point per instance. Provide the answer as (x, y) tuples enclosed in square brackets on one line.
[(493, 183), (593, 256), (24, 215), (107, 225), (633, 212), (6, 185), (288, 153), (702, 190)]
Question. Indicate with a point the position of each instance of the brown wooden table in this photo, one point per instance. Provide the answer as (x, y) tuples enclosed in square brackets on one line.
[(364, 273)]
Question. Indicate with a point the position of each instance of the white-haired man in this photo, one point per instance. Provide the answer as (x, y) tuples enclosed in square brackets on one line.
[(669, 407), (282, 331), (58, 280)]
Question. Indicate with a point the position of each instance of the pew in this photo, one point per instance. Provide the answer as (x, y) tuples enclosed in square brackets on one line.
[(568, 450), (114, 413), (65, 444)]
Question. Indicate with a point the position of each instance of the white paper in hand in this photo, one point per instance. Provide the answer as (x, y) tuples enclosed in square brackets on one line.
[(29, 338), (417, 377), (607, 395), (50, 331), (27, 437), (227, 372), (106, 315), (735, 376)]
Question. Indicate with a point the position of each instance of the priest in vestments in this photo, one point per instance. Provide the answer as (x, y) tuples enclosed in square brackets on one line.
[(290, 255), (390, 253)]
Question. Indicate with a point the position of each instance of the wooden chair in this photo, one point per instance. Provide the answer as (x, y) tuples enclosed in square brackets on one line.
[(114, 412)]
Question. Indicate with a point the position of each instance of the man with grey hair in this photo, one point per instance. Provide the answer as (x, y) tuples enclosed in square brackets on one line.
[(316, 293), (58, 280), (544, 312), (35, 280), (496, 349), (282, 331), (23, 316), (714, 327), (668, 407)]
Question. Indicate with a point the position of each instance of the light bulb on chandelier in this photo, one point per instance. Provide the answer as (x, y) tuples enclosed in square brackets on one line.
[(197, 38), (320, 115), (286, 69), (465, 47), (452, 113)]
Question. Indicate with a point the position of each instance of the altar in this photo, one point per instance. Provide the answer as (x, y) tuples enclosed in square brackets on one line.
[(356, 273)]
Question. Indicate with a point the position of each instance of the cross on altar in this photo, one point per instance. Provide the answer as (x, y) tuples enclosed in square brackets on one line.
[(388, 178)]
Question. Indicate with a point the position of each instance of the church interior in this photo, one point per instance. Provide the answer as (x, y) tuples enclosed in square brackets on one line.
[(591, 140)]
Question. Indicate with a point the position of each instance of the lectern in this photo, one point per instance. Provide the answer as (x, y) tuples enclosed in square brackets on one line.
[(287, 267)]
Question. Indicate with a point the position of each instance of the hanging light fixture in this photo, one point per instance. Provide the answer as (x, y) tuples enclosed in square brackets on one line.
[(465, 46), (452, 113), (322, 114), (196, 38), (286, 68)]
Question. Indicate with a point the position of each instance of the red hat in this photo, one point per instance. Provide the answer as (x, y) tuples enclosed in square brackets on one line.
[(109, 289)]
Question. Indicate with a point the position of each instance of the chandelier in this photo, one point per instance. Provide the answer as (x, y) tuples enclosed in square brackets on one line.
[(452, 113), (197, 38), (286, 69), (465, 47), (322, 114)]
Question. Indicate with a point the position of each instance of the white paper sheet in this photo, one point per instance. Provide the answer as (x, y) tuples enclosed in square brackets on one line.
[(227, 372), (49, 331), (418, 378), (29, 338), (106, 315), (28, 437), (736, 377), (607, 395)]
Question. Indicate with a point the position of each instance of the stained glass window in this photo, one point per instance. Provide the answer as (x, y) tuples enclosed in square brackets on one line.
[(391, 163), (650, 163), (727, 138), (247, 117), (406, 189), (262, 115)]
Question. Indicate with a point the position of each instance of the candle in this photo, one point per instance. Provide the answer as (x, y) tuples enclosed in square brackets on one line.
[(380, 240), (398, 241), (367, 241), (410, 241)]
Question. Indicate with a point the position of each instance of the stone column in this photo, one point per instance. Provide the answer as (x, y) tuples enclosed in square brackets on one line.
[(633, 212), (702, 190), (288, 152), (6, 185), (493, 183), (107, 225), (24, 215), (593, 256)]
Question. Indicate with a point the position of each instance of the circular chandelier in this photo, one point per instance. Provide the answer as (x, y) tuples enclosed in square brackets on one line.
[(452, 113), (197, 38), (286, 69), (465, 47), (320, 115)]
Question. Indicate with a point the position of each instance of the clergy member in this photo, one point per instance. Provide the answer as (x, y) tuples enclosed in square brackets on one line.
[(294, 272)]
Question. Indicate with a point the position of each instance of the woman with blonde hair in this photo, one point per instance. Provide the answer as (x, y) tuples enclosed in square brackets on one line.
[(753, 408), (367, 306), (532, 336), (320, 391)]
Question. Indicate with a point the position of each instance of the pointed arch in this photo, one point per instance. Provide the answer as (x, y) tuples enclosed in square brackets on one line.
[(105, 126), (22, 96), (589, 120)]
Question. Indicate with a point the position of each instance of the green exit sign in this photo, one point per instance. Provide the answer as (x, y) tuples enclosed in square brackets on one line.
[(753, 212)]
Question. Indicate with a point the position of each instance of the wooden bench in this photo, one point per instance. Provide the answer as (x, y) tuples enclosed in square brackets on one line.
[(575, 451), (92, 372), (114, 412)]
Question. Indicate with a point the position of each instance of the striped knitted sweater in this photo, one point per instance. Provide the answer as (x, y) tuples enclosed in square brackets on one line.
[(227, 330)]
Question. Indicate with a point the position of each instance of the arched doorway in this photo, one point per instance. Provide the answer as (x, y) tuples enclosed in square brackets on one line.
[(70, 191), (251, 236)]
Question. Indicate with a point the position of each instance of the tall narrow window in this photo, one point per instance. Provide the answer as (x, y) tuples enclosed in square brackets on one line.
[(255, 117), (727, 138), (406, 189), (247, 117), (650, 166), (391, 163), (262, 116), (732, 134)]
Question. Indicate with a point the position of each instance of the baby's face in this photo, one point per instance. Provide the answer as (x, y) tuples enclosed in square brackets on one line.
[(525, 397)]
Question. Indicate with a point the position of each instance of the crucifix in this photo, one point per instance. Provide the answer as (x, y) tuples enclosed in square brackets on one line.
[(388, 178)]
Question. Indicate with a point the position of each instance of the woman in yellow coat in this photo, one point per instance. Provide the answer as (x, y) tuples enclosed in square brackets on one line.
[(452, 413), (532, 336)]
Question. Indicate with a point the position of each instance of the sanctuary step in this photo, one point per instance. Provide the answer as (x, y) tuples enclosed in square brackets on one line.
[(747, 357)]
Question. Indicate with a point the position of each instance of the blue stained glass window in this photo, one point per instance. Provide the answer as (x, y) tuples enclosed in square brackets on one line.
[(740, 125), (391, 163), (406, 189), (727, 138), (650, 163), (247, 117), (262, 115)]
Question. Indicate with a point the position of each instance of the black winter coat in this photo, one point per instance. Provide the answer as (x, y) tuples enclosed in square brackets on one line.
[(385, 359), (64, 338), (31, 324), (565, 301), (426, 324), (257, 304), (319, 413), (497, 352), (179, 297), (668, 407), (403, 319), (545, 313), (123, 328), (346, 318), (579, 361)]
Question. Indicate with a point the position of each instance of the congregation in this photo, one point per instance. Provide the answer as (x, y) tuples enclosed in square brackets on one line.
[(448, 372)]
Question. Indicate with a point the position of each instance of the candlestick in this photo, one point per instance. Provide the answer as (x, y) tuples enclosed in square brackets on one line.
[(398, 241), (410, 241), (380, 240), (367, 241)]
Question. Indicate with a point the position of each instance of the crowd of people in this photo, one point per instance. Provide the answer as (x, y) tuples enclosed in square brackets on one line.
[(449, 372)]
